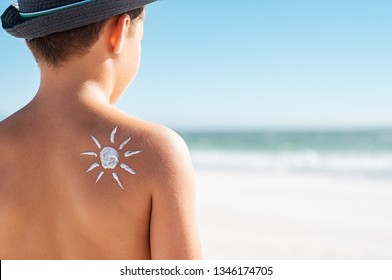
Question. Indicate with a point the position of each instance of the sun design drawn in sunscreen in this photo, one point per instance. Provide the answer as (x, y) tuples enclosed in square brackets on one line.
[(109, 158)]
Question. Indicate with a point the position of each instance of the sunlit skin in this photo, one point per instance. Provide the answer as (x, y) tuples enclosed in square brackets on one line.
[(50, 208)]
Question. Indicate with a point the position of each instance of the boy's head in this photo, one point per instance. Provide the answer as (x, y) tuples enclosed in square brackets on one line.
[(58, 30), (57, 48)]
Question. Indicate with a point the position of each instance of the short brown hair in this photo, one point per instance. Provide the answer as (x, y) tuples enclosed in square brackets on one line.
[(57, 48)]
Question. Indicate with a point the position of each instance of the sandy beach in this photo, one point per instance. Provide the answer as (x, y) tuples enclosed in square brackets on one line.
[(293, 215)]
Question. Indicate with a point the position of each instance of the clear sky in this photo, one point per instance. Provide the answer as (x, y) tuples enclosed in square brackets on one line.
[(247, 64)]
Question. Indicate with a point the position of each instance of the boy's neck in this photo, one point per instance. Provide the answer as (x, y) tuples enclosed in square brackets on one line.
[(77, 81)]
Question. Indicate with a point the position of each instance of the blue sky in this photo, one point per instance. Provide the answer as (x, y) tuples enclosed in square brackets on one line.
[(247, 64)]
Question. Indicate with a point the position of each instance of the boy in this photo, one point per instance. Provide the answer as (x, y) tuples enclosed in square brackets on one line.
[(80, 179)]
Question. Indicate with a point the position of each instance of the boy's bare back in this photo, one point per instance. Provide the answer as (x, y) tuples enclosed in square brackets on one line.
[(50, 208), (80, 179)]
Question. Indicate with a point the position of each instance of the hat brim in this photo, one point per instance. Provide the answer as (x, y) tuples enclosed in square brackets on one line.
[(66, 19)]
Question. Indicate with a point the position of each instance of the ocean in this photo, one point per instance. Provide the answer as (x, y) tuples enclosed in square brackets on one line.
[(355, 152)]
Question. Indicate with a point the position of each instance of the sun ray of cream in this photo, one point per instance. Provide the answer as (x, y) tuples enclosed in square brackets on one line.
[(124, 143), (89, 154), (130, 153), (115, 176), (93, 166), (99, 176), (127, 168), (96, 142), (113, 134)]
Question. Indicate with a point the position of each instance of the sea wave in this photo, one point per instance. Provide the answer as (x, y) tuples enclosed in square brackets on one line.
[(307, 160)]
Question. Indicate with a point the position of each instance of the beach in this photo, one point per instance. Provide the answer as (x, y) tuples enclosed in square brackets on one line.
[(293, 215), (294, 195)]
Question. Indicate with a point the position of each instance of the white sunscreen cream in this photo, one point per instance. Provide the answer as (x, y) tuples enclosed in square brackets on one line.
[(110, 158)]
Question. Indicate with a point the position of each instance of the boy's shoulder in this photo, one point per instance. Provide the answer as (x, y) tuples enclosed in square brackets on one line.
[(8, 146), (161, 154), (161, 139), (8, 134)]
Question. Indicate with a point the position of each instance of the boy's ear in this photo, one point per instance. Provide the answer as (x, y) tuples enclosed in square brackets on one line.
[(119, 33)]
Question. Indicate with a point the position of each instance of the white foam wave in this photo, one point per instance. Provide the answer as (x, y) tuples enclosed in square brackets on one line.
[(299, 160)]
